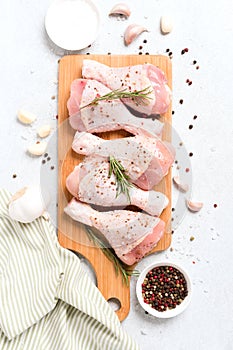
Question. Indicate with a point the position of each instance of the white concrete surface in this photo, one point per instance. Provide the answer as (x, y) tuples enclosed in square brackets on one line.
[(28, 71)]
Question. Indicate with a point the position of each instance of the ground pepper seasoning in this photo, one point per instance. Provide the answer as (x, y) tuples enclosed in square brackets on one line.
[(164, 287)]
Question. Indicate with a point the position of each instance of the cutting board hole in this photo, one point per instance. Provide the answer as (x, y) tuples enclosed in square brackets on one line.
[(114, 303)]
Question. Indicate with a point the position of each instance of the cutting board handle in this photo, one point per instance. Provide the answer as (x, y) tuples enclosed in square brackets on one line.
[(111, 285)]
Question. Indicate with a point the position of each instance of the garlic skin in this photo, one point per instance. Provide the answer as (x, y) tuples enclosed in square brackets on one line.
[(180, 186), (194, 206), (26, 205), (120, 9), (132, 32)]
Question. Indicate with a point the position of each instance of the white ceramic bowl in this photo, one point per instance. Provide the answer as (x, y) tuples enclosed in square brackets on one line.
[(72, 24), (168, 313)]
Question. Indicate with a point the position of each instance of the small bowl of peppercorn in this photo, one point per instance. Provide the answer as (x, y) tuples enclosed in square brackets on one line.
[(164, 289)]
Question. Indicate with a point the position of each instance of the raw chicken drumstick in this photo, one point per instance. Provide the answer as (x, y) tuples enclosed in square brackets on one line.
[(106, 115), (130, 234), (146, 159), (133, 78), (90, 183)]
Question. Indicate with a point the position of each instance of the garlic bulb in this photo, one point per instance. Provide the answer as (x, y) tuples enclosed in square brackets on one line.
[(26, 205)]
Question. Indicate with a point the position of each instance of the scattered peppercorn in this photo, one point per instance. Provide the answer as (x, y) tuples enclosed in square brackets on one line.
[(48, 159), (140, 53), (46, 155), (14, 176), (52, 167), (88, 53), (173, 209), (173, 112), (190, 126), (181, 144), (109, 53), (170, 53), (164, 287), (147, 53), (43, 161), (145, 41), (197, 67), (89, 45), (194, 62), (215, 205), (53, 97), (187, 170), (190, 83), (56, 116), (140, 47), (181, 101), (184, 50), (191, 238), (168, 50), (195, 117), (190, 154)]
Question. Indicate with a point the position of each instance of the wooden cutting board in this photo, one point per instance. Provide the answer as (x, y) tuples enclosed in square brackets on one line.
[(71, 234)]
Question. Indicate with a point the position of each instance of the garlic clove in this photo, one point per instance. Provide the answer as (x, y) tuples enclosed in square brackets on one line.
[(132, 32), (26, 205), (44, 131), (194, 206), (120, 9), (26, 117), (166, 24), (182, 187), (37, 149)]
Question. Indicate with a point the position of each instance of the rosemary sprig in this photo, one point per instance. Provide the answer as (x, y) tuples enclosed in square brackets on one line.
[(139, 96), (109, 253), (122, 178)]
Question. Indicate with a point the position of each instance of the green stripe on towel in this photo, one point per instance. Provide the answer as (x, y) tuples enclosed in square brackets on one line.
[(47, 302)]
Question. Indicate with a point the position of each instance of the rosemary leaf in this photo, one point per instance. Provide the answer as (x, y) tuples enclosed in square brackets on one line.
[(109, 253), (138, 96), (122, 178)]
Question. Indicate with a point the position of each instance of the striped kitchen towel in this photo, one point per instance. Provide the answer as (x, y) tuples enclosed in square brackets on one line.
[(46, 301)]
